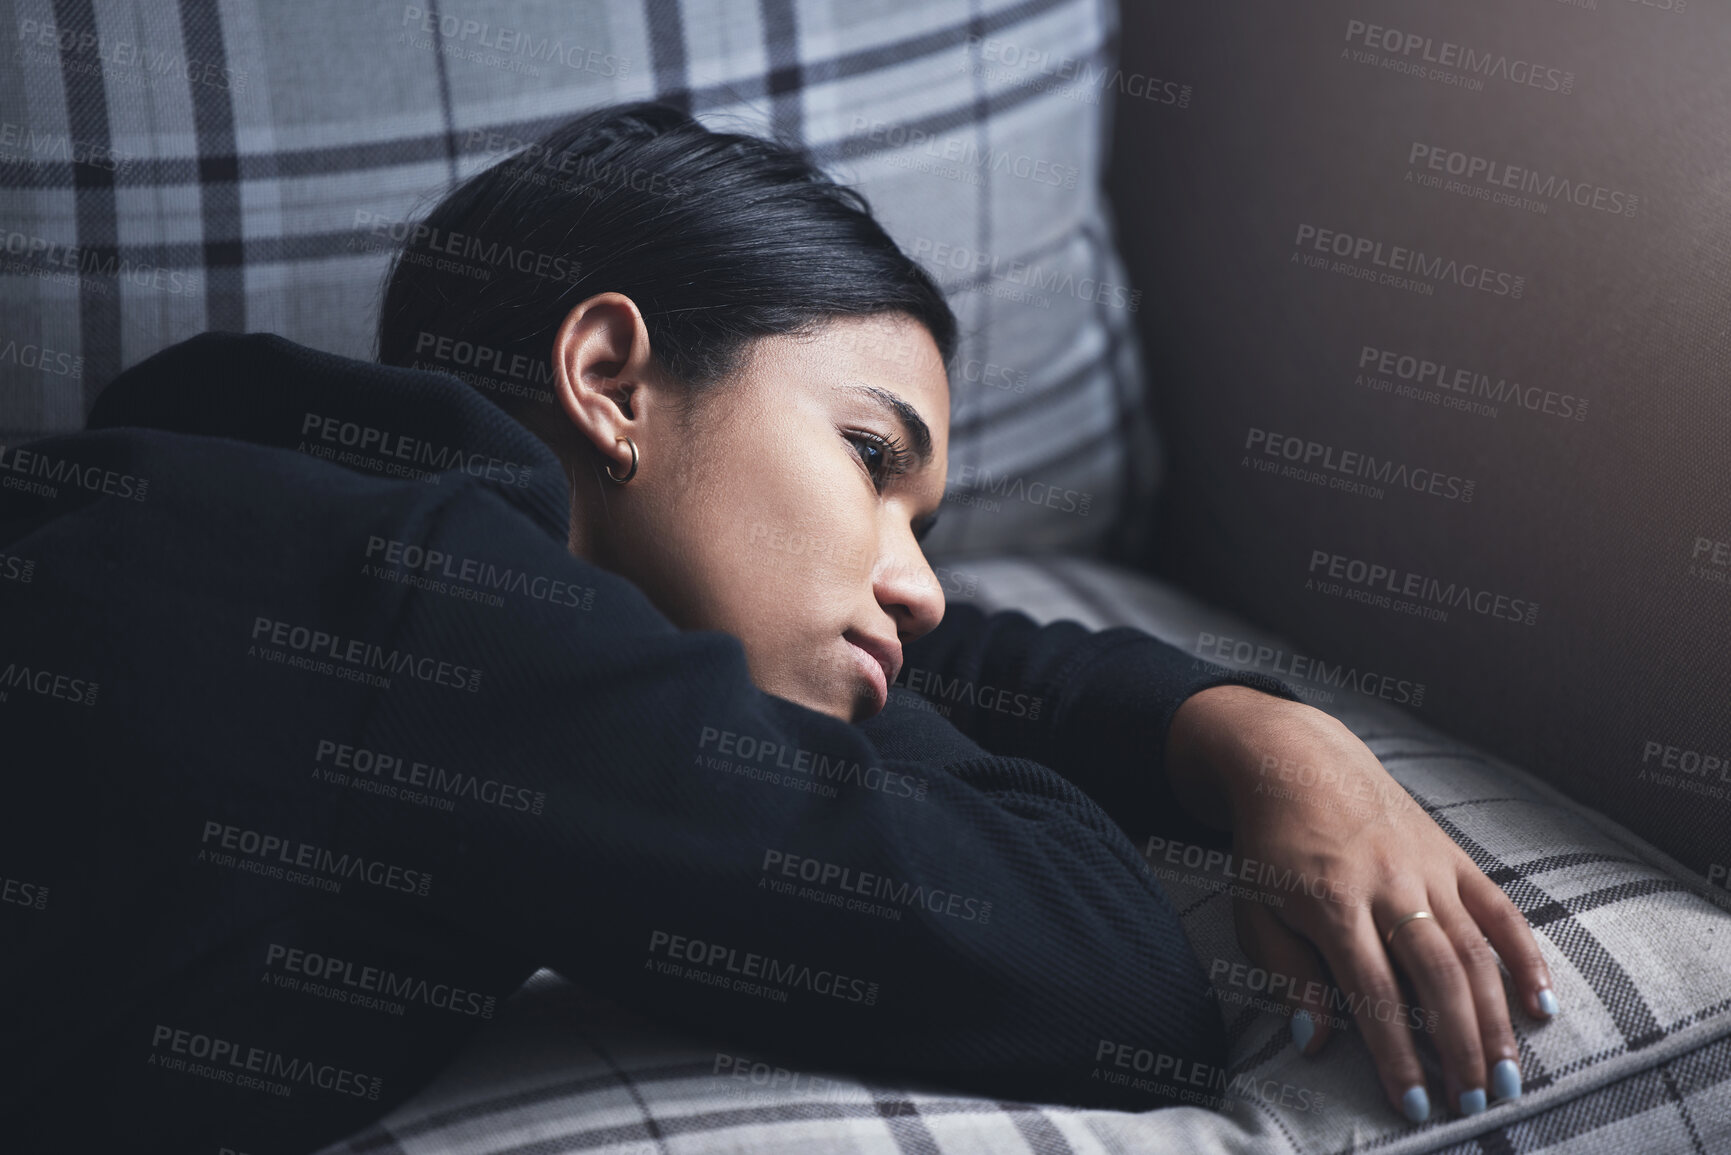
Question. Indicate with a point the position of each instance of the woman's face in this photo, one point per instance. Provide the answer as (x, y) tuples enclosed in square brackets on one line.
[(785, 506)]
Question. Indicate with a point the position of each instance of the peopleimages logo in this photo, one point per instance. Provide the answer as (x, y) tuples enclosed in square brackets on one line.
[(1303, 667), (21, 676), (50, 361), (1718, 552), (485, 366), (813, 764), (511, 42), (1045, 65), (869, 885), (418, 236), (1709, 560), (359, 656), (1266, 877), (1190, 1081), (17, 569), (1444, 380), (269, 854), (120, 62), (984, 268), (229, 1062), (718, 960), (39, 149), (366, 986), (1417, 49), (1402, 268), (403, 448), (42, 474), (1354, 463), (1500, 177), (969, 483), (933, 684), (88, 261), (1376, 582), (394, 775), (21, 893), (1699, 772), (468, 571), (966, 153)]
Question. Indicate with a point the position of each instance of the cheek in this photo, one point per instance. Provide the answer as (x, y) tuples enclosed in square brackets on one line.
[(780, 549), (787, 549)]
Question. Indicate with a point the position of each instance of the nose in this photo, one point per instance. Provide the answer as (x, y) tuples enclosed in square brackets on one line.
[(907, 589)]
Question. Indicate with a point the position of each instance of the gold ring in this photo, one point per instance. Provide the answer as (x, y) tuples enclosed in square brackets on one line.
[(1388, 939)]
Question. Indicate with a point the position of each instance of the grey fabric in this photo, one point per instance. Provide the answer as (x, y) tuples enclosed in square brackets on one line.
[(167, 168), (1638, 1059), (1531, 384)]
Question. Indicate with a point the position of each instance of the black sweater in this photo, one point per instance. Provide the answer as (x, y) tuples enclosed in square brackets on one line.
[(318, 741)]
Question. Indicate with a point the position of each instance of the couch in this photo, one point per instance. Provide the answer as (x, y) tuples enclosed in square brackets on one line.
[(171, 168)]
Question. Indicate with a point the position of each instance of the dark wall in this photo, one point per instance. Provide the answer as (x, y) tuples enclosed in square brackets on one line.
[(1526, 204)]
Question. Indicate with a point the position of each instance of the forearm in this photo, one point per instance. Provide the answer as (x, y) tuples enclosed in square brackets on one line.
[(1098, 706), (1220, 748), (612, 786), (1203, 728), (676, 796)]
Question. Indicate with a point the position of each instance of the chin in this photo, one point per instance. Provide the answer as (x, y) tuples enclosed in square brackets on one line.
[(864, 706), (837, 706), (834, 692), (851, 704)]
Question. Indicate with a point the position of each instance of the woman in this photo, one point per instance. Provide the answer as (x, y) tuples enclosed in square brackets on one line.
[(746, 326), (445, 730)]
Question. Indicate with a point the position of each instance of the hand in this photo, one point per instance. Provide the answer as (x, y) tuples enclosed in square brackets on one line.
[(1342, 852)]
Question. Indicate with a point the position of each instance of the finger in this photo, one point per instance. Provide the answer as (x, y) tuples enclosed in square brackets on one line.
[(1428, 957), (1365, 974), (1507, 928), (1496, 1036), (1294, 969)]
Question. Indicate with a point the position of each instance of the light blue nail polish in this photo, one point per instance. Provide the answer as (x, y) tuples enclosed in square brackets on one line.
[(1416, 1104), (1472, 1102), (1547, 1001), (1302, 1029), (1506, 1080)]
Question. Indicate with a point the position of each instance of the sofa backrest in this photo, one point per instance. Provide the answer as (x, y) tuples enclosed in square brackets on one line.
[(1439, 300), (244, 165)]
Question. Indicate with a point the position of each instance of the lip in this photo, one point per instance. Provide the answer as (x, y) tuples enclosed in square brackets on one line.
[(879, 661)]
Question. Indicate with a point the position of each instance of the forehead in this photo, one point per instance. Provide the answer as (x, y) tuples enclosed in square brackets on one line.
[(889, 351)]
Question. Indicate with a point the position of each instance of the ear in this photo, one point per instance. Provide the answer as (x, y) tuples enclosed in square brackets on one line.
[(603, 373)]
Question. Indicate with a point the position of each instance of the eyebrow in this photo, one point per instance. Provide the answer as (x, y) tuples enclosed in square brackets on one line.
[(918, 433), (914, 426)]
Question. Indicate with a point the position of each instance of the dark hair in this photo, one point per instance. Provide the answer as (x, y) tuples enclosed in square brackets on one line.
[(719, 238)]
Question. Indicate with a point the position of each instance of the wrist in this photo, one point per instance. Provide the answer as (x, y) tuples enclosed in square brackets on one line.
[(1206, 749)]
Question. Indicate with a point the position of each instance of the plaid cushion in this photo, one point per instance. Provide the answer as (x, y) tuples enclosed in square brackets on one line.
[(1639, 1059), (173, 166)]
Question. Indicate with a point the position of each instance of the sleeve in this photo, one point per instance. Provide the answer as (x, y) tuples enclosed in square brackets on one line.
[(1095, 705), (890, 898), (408, 703)]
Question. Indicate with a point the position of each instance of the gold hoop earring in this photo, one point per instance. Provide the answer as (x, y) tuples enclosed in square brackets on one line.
[(629, 473)]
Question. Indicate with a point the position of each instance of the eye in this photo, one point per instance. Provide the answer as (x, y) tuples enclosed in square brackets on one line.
[(883, 457)]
